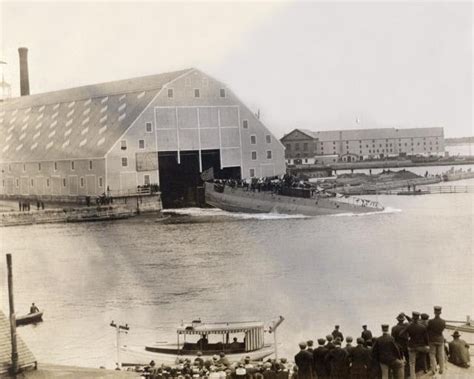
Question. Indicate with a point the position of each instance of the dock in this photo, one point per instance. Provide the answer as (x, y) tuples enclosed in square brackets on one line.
[(430, 190)]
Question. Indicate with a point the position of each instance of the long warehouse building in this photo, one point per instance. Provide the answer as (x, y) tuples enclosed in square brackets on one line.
[(163, 129)]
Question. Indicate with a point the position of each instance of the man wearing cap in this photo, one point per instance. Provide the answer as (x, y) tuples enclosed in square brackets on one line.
[(401, 339), (360, 359), (330, 343), (366, 334), (304, 361), (386, 352), (459, 351), (417, 341), (337, 333), (338, 360), (436, 327), (319, 357)]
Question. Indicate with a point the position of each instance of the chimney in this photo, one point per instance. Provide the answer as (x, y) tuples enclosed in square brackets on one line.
[(24, 80)]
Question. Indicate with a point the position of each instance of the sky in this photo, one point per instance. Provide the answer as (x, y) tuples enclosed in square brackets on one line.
[(315, 65)]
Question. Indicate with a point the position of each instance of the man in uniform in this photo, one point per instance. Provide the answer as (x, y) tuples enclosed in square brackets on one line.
[(401, 339), (330, 344), (310, 346), (386, 352), (436, 327), (459, 351), (338, 360), (348, 346), (319, 358), (366, 334), (336, 333), (360, 360), (417, 341), (304, 362)]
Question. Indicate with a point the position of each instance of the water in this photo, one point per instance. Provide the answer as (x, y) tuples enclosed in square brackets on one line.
[(461, 149), (419, 170), (316, 272)]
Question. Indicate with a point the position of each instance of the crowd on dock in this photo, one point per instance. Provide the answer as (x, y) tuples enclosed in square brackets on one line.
[(414, 344), (273, 184)]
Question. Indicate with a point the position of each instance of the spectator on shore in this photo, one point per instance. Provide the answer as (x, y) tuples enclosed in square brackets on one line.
[(337, 333), (386, 352), (435, 330), (235, 345), (338, 360), (310, 343), (319, 358), (330, 343), (424, 358), (366, 334), (360, 360), (349, 345), (223, 360), (417, 341), (459, 351), (198, 360), (304, 362)]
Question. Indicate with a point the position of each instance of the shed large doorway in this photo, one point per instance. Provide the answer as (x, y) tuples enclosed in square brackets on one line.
[(181, 184)]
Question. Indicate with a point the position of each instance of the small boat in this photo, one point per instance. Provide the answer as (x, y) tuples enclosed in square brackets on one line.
[(291, 201), (214, 338), (30, 318)]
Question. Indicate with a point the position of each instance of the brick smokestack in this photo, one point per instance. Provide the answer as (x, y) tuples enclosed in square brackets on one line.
[(24, 79)]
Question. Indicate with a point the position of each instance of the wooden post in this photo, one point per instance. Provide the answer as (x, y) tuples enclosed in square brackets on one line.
[(14, 368)]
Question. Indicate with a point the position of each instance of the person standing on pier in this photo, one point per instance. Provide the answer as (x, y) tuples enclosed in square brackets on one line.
[(386, 352), (417, 341), (366, 334), (330, 343), (338, 360), (360, 360), (436, 327), (304, 362), (336, 333), (319, 358)]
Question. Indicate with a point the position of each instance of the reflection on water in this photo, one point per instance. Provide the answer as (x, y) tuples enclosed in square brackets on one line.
[(315, 271)]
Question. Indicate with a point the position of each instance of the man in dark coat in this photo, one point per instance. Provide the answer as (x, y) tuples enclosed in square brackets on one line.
[(459, 351), (338, 360), (436, 327), (336, 333), (319, 357), (360, 360), (349, 345), (304, 361), (401, 339), (366, 334), (417, 341), (330, 344), (386, 352)]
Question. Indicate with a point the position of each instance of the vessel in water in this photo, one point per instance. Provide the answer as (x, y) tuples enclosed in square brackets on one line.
[(301, 201), (213, 338)]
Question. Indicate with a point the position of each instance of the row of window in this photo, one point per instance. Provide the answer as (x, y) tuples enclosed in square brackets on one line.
[(255, 156), (197, 93), (40, 166), (100, 182), (253, 139)]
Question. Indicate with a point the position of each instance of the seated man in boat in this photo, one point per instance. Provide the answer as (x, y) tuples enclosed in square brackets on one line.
[(34, 308), (459, 351)]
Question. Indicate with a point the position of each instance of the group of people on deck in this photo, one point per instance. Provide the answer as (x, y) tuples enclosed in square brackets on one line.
[(415, 343)]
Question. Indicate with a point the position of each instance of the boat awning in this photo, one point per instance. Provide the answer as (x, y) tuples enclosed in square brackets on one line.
[(220, 328)]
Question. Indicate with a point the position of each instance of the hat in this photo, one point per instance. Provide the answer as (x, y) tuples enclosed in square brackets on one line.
[(425, 316), (401, 317), (349, 339), (215, 357), (302, 345), (415, 314), (321, 341), (364, 326), (437, 308), (329, 337), (385, 327), (199, 353), (336, 326), (222, 354), (360, 340), (309, 342), (456, 334)]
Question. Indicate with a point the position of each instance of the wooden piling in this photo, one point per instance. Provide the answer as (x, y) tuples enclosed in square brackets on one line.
[(14, 368)]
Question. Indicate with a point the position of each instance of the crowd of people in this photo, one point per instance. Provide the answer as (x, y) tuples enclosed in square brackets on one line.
[(25, 205), (273, 184), (414, 343)]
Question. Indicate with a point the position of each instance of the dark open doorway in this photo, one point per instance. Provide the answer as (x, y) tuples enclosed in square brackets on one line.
[(180, 183)]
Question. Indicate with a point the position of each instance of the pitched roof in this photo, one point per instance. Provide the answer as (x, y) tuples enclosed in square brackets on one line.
[(25, 356), (82, 122)]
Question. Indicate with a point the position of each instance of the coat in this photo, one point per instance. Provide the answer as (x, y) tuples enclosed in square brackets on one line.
[(304, 361), (320, 365), (436, 327), (385, 350)]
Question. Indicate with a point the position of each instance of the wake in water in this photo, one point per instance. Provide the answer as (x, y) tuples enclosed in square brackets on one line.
[(214, 213), (385, 211)]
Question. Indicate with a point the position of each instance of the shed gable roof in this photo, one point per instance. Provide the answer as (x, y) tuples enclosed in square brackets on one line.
[(82, 122)]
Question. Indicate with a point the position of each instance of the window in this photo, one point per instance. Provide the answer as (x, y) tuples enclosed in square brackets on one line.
[(297, 146), (252, 172), (90, 165), (253, 139), (148, 127), (64, 182), (124, 161), (24, 167), (9, 167), (123, 144), (82, 182), (55, 166), (268, 138), (32, 182), (39, 166), (269, 154), (146, 180), (47, 182), (245, 124), (305, 146), (254, 155), (197, 93), (100, 182), (141, 144), (72, 165), (170, 93), (222, 92), (288, 147), (17, 183)]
